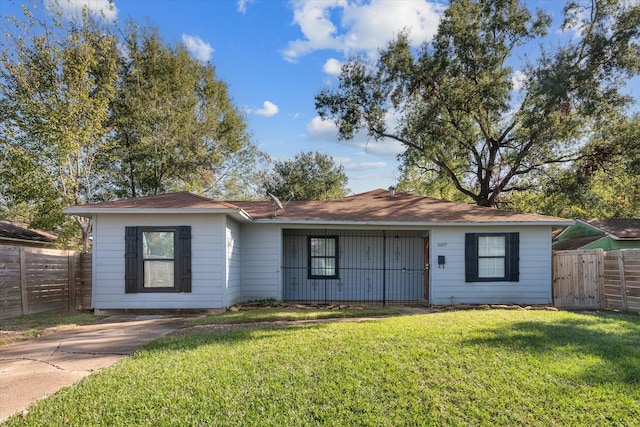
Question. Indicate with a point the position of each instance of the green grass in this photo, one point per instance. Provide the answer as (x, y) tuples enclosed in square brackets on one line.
[(290, 314), (34, 325), (452, 368)]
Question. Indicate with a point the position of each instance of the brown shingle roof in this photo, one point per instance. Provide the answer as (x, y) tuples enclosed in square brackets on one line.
[(372, 206), (620, 228), (378, 206), (179, 200)]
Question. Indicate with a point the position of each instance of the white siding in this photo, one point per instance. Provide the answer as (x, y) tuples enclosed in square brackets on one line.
[(234, 262), (447, 285), (234, 290), (208, 265), (261, 258)]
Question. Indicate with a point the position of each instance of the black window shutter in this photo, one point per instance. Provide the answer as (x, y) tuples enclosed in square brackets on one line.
[(471, 257), (514, 257), (183, 259), (131, 260)]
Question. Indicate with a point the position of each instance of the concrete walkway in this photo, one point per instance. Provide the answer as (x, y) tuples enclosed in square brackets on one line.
[(33, 369)]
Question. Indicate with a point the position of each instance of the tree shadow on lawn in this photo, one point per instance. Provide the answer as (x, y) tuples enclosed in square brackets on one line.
[(615, 340)]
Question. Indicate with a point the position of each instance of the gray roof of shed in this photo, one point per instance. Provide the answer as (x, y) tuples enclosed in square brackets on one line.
[(618, 228), (16, 230)]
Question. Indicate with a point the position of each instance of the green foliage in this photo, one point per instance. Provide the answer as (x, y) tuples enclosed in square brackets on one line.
[(457, 111), (456, 368), (309, 176), (174, 121), (89, 117), (239, 176), (419, 180), (604, 183), (56, 87)]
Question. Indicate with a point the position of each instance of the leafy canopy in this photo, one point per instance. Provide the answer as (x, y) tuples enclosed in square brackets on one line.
[(56, 87), (87, 115), (174, 122), (453, 104), (309, 176)]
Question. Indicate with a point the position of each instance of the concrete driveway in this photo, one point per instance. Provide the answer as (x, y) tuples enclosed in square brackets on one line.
[(31, 370)]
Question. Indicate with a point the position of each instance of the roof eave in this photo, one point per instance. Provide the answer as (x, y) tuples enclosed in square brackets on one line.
[(412, 223), (623, 239), (33, 242), (90, 212)]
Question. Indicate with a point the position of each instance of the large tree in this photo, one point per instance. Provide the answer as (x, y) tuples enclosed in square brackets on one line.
[(175, 124), (453, 104), (57, 81), (605, 183), (86, 116), (309, 176), (239, 177)]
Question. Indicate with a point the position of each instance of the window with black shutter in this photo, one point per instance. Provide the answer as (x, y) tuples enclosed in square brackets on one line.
[(492, 257), (158, 259)]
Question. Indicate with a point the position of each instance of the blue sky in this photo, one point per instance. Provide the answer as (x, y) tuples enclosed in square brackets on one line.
[(276, 55)]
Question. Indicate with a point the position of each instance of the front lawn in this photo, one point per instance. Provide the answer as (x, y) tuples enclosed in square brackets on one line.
[(452, 368)]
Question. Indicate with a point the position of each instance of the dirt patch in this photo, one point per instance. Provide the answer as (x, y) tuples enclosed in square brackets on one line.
[(9, 336), (205, 329)]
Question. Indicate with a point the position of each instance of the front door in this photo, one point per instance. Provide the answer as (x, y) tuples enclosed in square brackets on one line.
[(426, 270)]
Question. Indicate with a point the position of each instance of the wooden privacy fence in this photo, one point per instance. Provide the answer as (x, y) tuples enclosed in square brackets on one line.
[(35, 280), (593, 279), (622, 279)]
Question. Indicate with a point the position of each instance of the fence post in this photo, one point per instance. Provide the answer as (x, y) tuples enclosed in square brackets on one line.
[(600, 280), (23, 282), (71, 280), (623, 284)]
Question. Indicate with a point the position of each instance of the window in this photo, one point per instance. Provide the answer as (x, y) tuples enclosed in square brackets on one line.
[(323, 257), (158, 259), (492, 257)]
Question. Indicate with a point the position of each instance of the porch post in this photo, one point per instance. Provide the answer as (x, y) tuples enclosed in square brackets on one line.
[(384, 268)]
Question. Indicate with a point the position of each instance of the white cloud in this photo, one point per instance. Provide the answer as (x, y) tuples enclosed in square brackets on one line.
[(365, 166), (268, 109), (323, 130), (519, 79), (326, 130), (74, 8), (199, 48), (341, 160), (242, 5), (386, 147), (332, 67), (359, 25)]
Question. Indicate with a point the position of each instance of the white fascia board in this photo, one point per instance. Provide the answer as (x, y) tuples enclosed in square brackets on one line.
[(89, 212), (413, 223), (624, 239)]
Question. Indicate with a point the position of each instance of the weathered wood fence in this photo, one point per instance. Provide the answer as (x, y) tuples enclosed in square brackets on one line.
[(35, 280), (597, 279)]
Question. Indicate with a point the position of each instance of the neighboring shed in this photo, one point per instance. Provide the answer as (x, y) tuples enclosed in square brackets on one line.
[(19, 233), (182, 251), (607, 234)]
